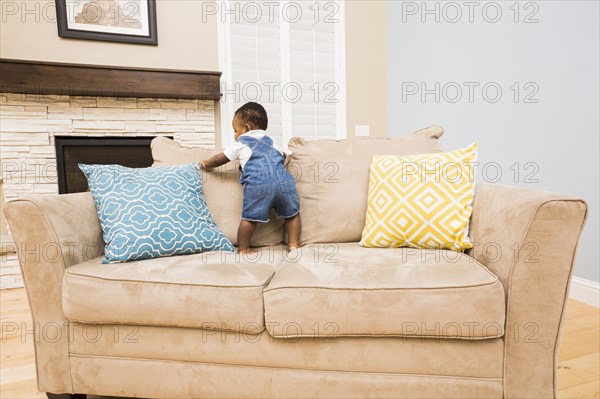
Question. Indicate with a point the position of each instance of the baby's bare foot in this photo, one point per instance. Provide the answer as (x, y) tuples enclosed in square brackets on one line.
[(292, 246)]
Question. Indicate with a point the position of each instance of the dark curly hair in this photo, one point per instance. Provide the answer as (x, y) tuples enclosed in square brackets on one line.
[(253, 114)]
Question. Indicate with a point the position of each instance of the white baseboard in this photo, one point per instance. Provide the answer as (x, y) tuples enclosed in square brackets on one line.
[(586, 291)]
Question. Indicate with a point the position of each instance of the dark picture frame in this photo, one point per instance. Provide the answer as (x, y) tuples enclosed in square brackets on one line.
[(89, 10)]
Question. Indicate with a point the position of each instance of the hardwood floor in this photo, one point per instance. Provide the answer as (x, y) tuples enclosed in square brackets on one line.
[(579, 357), (578, 374)]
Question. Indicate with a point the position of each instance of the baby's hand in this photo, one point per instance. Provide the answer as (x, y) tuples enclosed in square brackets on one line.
[(203, 165)]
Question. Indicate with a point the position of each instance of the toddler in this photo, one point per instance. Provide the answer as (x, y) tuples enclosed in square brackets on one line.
[(267, 184)]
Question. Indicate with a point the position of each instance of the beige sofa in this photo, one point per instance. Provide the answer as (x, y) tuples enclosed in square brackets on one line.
[(331, 319)]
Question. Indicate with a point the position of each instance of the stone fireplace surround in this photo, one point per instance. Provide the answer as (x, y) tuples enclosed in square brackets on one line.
[(28, 124), (30, 119)]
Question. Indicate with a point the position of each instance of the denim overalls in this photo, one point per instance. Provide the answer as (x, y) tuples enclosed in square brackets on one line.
[(266, 182)]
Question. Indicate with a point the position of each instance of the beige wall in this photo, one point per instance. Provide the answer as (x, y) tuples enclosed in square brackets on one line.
[(185, 42), (366, 66)]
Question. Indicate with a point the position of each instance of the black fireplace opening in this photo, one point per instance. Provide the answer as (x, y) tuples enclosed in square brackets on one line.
[(133, 152)]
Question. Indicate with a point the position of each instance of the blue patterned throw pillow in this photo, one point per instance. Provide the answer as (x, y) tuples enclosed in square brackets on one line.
[(151, 212)]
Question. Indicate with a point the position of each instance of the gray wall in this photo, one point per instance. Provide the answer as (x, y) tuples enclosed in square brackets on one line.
[(551, 130)]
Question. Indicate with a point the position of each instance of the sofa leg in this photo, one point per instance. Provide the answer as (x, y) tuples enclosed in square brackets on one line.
[(66, 395)]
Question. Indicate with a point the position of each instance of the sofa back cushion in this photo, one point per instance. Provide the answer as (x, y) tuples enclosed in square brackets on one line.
[(222, 190), (332, 178)]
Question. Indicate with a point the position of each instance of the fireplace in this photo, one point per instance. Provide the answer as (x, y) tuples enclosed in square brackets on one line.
[(132, 152), (48, 124), (38, 105)]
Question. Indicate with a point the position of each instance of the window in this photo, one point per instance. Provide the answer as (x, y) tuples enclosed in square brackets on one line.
[(289, 56)]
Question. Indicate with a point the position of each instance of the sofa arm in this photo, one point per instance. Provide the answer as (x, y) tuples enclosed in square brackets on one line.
[(52, 232), (528, 238)]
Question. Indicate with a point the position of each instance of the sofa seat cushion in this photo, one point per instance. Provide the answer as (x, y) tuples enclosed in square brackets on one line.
[(214, 290), (345, 290)]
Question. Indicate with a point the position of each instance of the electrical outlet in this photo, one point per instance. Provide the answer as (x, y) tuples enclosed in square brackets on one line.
[(361, 130)]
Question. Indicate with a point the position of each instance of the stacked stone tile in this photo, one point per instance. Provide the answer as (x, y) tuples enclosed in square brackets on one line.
[(28, 124)]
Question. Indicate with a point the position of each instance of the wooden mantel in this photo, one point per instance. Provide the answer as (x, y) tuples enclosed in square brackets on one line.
[(57, 78)]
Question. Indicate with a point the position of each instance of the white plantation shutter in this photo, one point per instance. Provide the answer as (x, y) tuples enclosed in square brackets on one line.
[(255, 59), (313, 66), (293, 66)]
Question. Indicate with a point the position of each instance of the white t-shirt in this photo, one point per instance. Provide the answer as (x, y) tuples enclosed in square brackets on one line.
[(242, 151)]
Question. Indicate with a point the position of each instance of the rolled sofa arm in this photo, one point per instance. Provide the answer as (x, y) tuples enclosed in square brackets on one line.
[(528, 238), (52, 232)]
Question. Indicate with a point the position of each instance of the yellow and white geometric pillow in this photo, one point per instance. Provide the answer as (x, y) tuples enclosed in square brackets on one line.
[(421, 201)]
